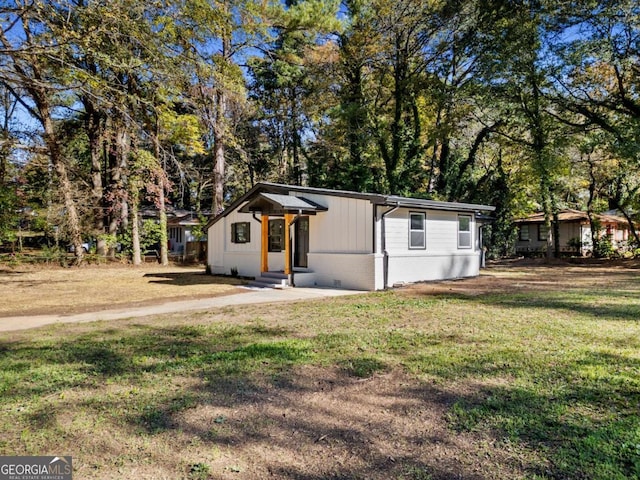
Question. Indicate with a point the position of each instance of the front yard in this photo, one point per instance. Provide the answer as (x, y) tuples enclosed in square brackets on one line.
[(525, 372)]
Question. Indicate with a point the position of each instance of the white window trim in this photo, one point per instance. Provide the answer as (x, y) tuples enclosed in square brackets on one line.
[(423, 230), (470, 232)]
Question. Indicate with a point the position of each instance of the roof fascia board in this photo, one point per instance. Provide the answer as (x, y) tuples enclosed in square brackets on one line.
[(374, 198)]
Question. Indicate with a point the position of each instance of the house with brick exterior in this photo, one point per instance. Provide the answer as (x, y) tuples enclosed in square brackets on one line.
[(302, 236)]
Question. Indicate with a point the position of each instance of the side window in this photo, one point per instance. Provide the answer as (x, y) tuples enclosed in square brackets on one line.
[(543, 232), (276, 230), (524, 232), (464, 231), (240, 232), (417, 231)]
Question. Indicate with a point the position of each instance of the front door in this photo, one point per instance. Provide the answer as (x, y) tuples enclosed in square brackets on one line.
[(301, 242)]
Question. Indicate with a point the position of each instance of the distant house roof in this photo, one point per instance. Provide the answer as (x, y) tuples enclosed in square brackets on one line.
[(275, 192), (184, 220), (569, 215)]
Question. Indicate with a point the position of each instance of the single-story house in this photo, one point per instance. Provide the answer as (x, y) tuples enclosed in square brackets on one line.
[(575, 232), (180, 232), (332, 238)]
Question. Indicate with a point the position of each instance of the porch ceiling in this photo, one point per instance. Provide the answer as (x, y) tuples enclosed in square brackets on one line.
[(274, 204)]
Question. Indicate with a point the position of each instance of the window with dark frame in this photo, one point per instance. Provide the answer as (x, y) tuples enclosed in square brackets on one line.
[(543, 232), (524, 233), (417, 230), (276, 230), (241, 232), (464, 231)]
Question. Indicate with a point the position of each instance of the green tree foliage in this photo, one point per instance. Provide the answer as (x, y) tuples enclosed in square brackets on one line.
[(523, 105), (287, 89)]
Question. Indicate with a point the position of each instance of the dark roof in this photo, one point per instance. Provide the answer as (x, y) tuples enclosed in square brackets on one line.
[(570, 215), (281, 190), (277, 204)]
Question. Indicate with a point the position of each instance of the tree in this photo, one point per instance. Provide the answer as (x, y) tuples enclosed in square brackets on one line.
[(36, 82), (285, 87), (598, 84)]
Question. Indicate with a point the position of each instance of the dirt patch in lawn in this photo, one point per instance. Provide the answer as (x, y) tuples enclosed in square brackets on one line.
[(315, 423), (322, 423), (39, 290)]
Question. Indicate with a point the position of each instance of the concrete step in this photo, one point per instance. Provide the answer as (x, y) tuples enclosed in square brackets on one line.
[(271, 280)]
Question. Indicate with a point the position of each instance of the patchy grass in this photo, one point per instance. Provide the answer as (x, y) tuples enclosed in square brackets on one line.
[(523, 373), (32, 290)]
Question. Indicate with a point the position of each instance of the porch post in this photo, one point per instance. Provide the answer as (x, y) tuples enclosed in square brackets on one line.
[(264, 248), (287, 243)]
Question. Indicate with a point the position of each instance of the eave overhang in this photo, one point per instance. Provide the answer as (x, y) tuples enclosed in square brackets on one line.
[(276, 205)]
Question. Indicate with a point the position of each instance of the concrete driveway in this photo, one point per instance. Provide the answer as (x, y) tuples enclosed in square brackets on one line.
[(257, 295)]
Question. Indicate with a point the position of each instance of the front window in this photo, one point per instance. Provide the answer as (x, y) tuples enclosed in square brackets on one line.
[(240, 232), (276, 230), (464, 231), (417, 230), (524, 233)]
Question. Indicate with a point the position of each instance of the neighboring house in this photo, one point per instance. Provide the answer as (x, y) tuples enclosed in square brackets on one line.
[(331, 238), (575, 232), (180, 234)]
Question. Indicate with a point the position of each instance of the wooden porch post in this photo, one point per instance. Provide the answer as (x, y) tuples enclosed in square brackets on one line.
[(264, 249), (287, 243)]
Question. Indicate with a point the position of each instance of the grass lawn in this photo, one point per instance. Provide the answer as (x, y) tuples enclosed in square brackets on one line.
[(33, 290), (525, 372)]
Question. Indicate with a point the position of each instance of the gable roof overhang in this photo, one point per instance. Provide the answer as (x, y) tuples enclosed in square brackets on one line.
[(277, 204), (272, 193)]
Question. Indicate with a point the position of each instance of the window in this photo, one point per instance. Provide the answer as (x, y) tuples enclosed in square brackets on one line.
[(464, 231), (524, 233), (543, 232), (240, 232), (417, 230), (276, 229)]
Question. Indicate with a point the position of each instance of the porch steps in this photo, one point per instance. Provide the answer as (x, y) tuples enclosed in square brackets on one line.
[(271, 280)]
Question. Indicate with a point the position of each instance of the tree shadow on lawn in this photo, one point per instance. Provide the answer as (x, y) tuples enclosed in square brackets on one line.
[(89, 359), (182, 279), (582, 414), (255, 392), (311, 422), (571, 302)]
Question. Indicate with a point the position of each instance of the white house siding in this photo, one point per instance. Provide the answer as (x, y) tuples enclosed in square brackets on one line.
[(411, 268), (441, 259), (347, 226), (343, 270), (223, 255)]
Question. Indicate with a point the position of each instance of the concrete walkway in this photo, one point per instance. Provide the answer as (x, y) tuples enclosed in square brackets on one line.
[(257, 295)]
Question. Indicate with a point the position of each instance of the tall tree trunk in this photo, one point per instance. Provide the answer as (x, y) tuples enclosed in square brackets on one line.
[(60, 168), (595, 234), (135, 232), (164, 239), (219, 129), (218, 154), (162, 207), (93, 126), (119, 159)]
